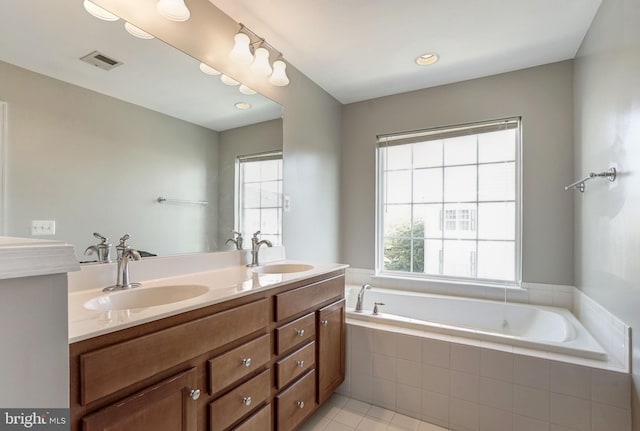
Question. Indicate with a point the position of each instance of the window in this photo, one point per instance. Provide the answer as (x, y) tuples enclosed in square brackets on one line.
[(259, 196), (449, 203)]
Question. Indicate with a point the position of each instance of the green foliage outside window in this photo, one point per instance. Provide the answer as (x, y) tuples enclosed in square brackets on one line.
[(397, 248)]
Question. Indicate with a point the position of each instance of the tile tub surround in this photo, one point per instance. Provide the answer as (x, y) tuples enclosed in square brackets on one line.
[(612, 333), (481, 386)]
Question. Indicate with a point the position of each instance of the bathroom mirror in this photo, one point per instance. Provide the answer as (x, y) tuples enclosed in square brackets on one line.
[(95, 152)]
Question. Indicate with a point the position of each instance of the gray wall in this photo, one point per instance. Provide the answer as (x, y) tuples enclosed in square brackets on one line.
[(541, 95), (253, 139), (607, 131), (94, 163), (311, 128)]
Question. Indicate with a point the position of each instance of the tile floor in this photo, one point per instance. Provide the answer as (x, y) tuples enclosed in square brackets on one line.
[(341, 413)]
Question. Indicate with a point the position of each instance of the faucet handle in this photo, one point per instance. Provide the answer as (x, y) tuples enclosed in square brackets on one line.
[(124, 239), (375, 307), (255, 234), (103, 239)]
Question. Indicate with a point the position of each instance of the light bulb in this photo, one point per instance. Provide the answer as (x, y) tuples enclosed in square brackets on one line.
[(174, 10), (135, 31), (98, 12), (227, 80), (261, 64), (205, 68), (279, 76), (241, 52), (246, 90)]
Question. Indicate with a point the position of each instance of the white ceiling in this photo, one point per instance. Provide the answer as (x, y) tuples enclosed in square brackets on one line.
[(361, 49), (354, 49), (49, 37)]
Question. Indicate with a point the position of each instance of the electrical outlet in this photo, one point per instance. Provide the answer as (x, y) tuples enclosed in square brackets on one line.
[(43, 227)]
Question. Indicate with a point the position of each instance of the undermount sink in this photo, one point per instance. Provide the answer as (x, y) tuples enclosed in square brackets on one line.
[(145, 297), (284, 268)]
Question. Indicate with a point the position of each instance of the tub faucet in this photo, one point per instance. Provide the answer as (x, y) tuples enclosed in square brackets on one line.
[(255, 247), (361, 297), (125, 254)]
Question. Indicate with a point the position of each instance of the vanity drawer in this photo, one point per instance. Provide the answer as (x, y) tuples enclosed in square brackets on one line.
[(260, 421), (239, 362), (295, 333), (240, 401), (298, 300), (296, 403), (112, 368), (295, 364)]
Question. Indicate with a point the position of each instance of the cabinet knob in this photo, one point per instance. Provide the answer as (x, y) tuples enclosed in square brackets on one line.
[(300, 404), (324, 322), (194, 394), (300, 332), (246, 401), (246, 362), (300, 364)]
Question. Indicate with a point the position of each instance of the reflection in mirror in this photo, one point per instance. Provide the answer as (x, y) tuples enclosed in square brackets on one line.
[(93, 149)]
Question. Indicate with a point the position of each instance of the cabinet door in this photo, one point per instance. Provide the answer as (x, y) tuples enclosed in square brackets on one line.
[(331, 349), (170, 405)]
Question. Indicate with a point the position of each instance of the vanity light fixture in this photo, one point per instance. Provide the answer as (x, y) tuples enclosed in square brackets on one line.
[(241, 52), (228, 80), (279, 76), (135, 31), (246, 90), (243, 106), (427, 59), (174, 10), (205, 68), (261, 64), (249, 48), (99, 12)]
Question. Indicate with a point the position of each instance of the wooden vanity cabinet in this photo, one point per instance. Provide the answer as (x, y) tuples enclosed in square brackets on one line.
[(261, 362), (167, 406), (331, 349)]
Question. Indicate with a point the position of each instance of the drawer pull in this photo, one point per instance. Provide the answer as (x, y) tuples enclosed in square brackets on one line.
[(246, 401), (300, 364), (194, 394), (300, 404), (300, 332), (246, 362), (324, 322)]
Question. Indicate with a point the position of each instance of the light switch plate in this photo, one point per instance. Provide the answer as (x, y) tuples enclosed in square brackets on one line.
[(43, 227)]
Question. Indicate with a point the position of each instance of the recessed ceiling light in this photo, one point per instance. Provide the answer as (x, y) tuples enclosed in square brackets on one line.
[(243, 105), (426, 59)]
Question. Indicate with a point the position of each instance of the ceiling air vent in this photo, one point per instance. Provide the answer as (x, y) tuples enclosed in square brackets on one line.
[(98, 59)]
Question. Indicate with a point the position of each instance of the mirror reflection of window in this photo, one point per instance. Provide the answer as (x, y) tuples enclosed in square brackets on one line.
[(259, 202)]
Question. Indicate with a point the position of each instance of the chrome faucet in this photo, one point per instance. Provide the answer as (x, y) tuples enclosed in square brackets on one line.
[(361, 297), (255, 247), (125, 254), (237, 241), (103, 249)]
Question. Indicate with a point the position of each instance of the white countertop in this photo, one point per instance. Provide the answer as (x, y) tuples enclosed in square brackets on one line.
[(27, 257), (223, 284)]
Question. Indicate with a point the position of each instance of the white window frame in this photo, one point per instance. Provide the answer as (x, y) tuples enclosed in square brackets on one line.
[(239, 198), (439, 133)]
